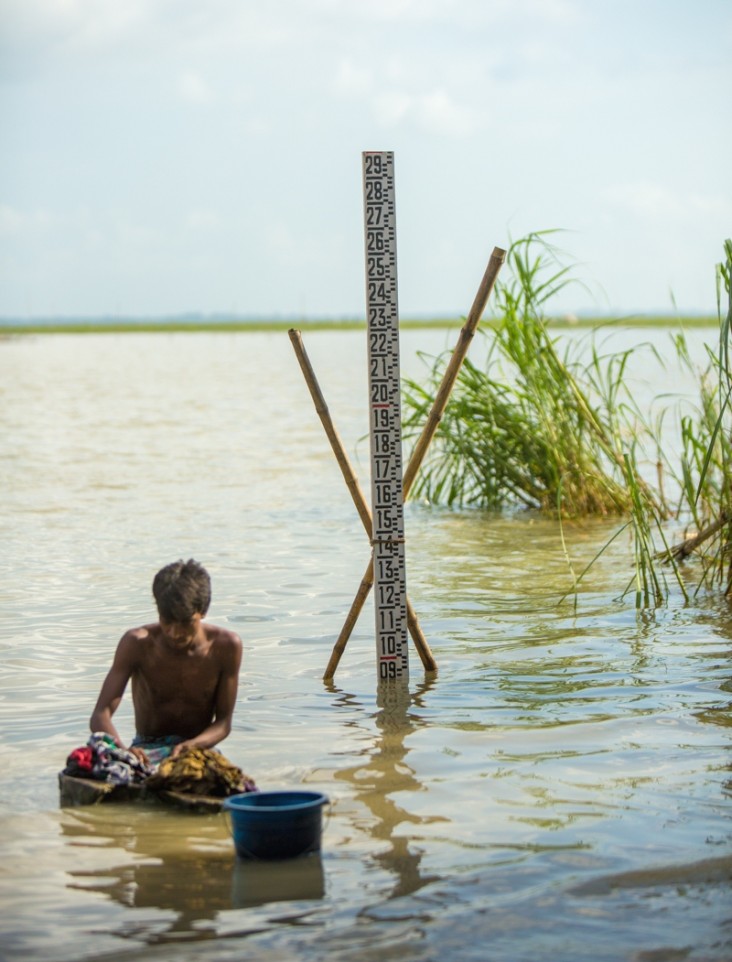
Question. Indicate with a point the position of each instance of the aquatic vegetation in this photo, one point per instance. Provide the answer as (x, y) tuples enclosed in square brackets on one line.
[(706, 463), (552, 424), (535, 425)]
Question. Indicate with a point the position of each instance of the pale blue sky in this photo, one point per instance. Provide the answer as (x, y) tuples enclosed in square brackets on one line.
[(161, 156)]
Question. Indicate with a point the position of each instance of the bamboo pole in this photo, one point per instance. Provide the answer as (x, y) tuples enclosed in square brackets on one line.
[(682, 550), (349, 476), (452, 370), (357, 495)]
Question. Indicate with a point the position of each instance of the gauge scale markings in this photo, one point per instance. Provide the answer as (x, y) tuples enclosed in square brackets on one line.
[(390, 593)]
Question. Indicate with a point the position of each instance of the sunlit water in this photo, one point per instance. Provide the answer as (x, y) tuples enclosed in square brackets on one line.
[(560, 789)]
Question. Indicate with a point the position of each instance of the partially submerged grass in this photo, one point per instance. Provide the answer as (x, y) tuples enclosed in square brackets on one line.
[(706, 463), (554, 426), (535, 424)]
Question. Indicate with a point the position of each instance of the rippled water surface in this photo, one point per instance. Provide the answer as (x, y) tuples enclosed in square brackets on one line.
[(560, 789)]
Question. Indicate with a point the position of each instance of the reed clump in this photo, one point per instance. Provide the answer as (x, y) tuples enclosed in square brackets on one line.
[(552, 424), (535, 425), (704, 475)]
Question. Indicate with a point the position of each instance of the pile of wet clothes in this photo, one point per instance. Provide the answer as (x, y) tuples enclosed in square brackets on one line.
[(103, 760), (194, 771), (200, 771)]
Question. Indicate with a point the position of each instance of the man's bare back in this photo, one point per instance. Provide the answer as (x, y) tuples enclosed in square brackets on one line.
[(184, 672)]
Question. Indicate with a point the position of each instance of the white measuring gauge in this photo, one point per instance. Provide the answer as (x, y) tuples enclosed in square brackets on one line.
[(387, 505)]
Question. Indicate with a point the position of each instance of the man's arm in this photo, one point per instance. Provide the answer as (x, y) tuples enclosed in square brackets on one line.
[(113, 688), (225, 698)]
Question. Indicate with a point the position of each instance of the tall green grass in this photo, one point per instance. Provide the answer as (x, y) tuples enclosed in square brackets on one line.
[(552, 424), (705, 470), (534, 425)]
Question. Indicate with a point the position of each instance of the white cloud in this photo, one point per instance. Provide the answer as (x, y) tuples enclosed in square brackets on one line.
[(654, 200), (202, 219), (16, 223), (453, 12), (353, 79), (83, 22), (391, 107), (194, 89), (11, 220), (439, 113), (548, 112), (435, 112)]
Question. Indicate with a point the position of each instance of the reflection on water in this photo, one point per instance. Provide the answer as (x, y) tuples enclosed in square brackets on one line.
[(515, 802), (380, 776), (260, 883), (189, 876), (180, 865)]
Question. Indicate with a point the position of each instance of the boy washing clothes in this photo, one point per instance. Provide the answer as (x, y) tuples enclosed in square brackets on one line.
[(184, 674)]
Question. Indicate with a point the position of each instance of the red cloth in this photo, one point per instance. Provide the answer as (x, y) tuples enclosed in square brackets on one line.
[(81, 759)]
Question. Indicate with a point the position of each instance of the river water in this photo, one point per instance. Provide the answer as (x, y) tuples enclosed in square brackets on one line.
[(560, 789)]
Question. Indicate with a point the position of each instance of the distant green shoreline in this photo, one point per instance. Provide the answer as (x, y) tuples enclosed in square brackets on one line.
[(259, 326)]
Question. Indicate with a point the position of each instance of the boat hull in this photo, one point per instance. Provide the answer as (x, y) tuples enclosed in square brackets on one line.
[(75, 792)]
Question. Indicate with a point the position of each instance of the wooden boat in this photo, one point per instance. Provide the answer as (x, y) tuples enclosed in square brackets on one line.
[(75, 791)]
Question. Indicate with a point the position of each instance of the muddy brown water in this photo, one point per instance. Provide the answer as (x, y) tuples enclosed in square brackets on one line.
[(561, 788)]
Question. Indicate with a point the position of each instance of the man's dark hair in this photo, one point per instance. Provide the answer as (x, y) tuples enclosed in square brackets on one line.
[(181, 589)]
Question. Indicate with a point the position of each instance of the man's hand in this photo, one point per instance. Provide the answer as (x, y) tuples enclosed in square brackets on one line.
[(140, 755)]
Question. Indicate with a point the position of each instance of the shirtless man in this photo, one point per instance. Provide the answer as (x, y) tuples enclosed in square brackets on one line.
[(185, 673)]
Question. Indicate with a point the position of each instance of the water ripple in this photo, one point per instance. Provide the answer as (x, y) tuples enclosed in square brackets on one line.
[(556, 745)]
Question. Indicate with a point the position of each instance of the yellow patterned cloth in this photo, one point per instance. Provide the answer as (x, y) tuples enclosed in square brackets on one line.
[(200, 771)]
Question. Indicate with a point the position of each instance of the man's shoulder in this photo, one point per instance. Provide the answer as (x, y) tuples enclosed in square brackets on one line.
[(222, 636), (226, 645), (142, 635)]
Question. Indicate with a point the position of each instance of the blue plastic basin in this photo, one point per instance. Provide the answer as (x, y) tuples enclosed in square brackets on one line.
[(276, 825)]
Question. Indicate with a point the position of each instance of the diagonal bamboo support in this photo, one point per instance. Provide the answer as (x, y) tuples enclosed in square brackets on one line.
[(357, 495), (452, 370), (349, 476)]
